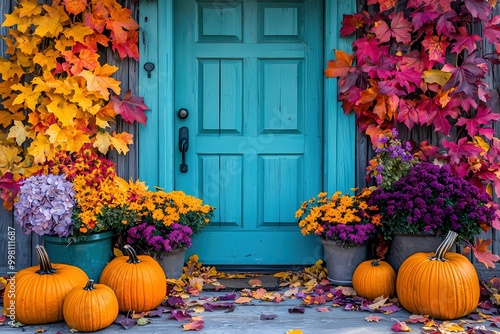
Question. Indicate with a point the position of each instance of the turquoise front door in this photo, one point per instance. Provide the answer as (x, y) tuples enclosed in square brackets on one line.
[(250, 74)]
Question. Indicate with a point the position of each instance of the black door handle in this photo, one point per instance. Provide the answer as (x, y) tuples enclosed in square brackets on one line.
[(183, 147)]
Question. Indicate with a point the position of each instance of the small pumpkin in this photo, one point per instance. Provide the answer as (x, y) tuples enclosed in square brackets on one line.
[(90, 308), (443, 285), (137, 280), (38, 292), (374, 278)]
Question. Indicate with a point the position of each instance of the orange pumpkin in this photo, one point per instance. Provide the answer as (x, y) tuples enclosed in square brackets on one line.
[(374, 278), (137, 280), (90, 308), (36, 294), (441, 285)]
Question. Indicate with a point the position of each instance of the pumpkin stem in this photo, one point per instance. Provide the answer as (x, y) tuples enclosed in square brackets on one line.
[(90, 285), (444, 246), (375, 262), (132, 255), (45, 265)]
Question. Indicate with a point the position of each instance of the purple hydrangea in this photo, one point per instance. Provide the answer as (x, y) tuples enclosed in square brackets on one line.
[(45, 205)]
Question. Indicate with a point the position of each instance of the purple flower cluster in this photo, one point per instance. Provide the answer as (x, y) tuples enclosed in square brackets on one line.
[(345, 234), (150, 237), (45, 205), (431, 199)]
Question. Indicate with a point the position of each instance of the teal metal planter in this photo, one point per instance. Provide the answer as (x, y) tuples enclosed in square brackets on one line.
[(91, 255)]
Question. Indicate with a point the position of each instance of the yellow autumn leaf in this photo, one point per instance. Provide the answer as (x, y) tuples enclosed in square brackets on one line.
[(482, 143), (100, 81), (64, 111), (18, 131), (27, 96), (28, 44), (40, 149), (76, 141), (50, 24), (121, 141), (451, 327), (199, 309), (117, 252), (436, 76), (8, 157), (29, 8), (294, 331), (102, 142), (47, 59), (6, 117), (78, 31)]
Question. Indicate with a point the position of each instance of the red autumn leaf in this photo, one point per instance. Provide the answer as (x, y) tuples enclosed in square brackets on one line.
[(464, 76), (131, 108), (483, 116), (440, 6), (483, 254), (401, 28), (464, 41), (444, 24), (420, 18), (464, 148), (129, 48), (367, 48), (436, 47), (478, 9), (193, 325), (491, 30), (340, 66), (440, 119), (373, 317), (9, 189), (400, 326), (350, 24)]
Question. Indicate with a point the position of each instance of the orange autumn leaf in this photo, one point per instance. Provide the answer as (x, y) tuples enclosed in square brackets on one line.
[(483, 254), (255, 282), (341, 66), (75, 6), (243, 300), (373, 317), (100, 80), (195, 325)]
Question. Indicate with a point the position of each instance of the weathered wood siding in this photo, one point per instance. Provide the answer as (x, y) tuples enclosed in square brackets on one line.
[(128, 165)]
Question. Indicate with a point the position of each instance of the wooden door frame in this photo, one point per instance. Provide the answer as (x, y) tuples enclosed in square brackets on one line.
[(156, 139)]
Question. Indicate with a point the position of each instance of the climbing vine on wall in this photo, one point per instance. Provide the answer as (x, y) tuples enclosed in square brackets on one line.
[(56, 94), (420, 64)]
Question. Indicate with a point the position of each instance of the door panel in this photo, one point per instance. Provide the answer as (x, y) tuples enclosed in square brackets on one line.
[(250, 73)]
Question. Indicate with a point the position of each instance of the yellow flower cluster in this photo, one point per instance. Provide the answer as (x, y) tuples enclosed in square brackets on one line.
[(168, 207), (337, 209)]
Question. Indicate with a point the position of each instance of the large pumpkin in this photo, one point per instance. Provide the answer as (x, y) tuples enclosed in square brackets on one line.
[(137, 280), (38, 292), (441, 285), (90, 308), (374, 278)]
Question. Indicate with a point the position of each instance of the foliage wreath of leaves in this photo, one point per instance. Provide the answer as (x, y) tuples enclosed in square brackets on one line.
[(56, 95), (421, 66)]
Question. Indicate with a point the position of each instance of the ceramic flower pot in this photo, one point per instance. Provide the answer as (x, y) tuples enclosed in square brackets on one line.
[(341, 261), (91, 255), (172, 262), (404, 245)]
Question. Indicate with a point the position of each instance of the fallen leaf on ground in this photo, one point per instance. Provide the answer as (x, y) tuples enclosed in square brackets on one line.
[(414, 318), (193, 325), (243, 300), (294, 331), (400, 326), (255, 282), (373, 317), (323, 309)]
